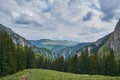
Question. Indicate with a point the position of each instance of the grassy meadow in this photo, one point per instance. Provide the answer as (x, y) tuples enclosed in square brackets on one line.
[(42, 74)]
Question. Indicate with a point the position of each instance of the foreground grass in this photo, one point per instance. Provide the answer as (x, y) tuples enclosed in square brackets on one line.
[(42, 74)]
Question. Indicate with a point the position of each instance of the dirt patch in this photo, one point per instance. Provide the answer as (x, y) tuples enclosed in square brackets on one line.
[(24, 76)]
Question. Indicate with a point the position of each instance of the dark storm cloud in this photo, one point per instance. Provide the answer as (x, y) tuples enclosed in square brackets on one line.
[(109, 8), (21, 21), (88, 16), (108, 15), (24, 19)]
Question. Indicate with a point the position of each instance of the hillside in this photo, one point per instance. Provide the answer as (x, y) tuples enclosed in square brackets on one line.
[(42, 74), (17, 39)]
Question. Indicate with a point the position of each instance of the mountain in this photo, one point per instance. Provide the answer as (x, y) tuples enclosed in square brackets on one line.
[(17, 39), (68, 48), (114, 40), (70, 51), (55, 48), (77, 49), (53, 45), (105, 44)]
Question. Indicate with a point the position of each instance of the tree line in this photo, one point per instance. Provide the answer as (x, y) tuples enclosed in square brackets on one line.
[(14, 58), (93, 64)]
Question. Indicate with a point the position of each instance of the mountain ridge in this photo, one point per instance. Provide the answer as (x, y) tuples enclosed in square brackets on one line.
[(53, 45)]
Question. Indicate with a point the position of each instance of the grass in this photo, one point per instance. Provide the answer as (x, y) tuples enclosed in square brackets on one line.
[(42, 74)]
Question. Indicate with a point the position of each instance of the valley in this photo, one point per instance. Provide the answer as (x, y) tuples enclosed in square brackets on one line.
[(59, 40)]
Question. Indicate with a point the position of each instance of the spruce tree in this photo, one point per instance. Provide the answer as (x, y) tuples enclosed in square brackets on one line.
[(75, 64), (59, 64), (84, 62), (93, 67), (8, 65), (40, 62), (30, 58), (20, 58), (110, 67), (101, 64)]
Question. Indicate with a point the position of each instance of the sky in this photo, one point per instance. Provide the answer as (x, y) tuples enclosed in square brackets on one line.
[(76, 20)]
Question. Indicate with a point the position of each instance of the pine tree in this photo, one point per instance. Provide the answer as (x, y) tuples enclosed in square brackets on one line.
[(93, 67), (68, 64), (45, 63), (40, 62), (8, 65), (30, 58), (110, 67), (101, 64), (20, 58), (84, 62), (74, 64), (59, 64)]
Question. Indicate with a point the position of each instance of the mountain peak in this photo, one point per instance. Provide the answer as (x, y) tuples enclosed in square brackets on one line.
[(117, 28), (1, 26), (117, 31)]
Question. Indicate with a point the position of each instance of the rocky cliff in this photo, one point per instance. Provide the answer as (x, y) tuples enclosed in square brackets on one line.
[(114, 39)]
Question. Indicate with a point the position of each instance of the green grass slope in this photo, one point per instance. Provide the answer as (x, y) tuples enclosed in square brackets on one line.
[(41, 74)]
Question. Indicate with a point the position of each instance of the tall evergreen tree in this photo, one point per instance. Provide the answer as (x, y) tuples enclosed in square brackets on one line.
[(40, 62), (8, 65), (74, 64), (93, 67), (68, 64), (30, 58), (110, 67), (20, 58), (84, 62), (59, 64), (101, 64)]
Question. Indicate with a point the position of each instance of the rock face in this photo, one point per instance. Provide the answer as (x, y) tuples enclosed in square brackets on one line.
[(17, 39), (114, 39)]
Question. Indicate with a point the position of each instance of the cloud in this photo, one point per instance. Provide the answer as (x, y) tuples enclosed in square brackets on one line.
[(109, 9), (77, 20), (24, 18), (88, 16)]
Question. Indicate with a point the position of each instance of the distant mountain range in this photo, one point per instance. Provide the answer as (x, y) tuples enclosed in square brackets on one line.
[(53, 45), (53, 48), (77, 49)]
